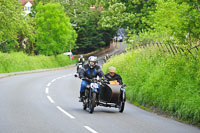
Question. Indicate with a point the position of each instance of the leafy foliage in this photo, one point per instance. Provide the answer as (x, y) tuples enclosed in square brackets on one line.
[(173, 20), (55, 34), (116, 16), (133, 14), (10, 11), (168, 82), (91, 35), (14, 26), (176, 20)]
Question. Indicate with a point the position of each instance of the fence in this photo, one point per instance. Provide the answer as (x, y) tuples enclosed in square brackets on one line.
[(174, 49)]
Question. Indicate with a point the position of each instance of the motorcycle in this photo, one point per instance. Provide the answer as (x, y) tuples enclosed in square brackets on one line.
[(109, 96), (79, 67), (91, 93)]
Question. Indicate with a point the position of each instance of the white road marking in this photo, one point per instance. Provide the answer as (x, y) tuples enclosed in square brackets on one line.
[(59, 78), (50, 99), (69, 75), (48, 84), (47, 90), (53, 80), (90, 129), (69, 115)]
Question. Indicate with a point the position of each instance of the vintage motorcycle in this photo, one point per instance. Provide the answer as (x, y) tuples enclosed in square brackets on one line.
[(79, 67), (109, 96)]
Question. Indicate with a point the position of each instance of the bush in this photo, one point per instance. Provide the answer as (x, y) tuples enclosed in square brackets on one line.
[(161, 80), (16, 62)]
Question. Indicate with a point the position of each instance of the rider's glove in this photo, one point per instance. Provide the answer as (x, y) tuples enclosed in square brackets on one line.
[(81, 77)]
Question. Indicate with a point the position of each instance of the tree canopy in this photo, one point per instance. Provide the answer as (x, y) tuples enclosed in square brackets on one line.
[(54, 32), (14, 24), (49, 33)]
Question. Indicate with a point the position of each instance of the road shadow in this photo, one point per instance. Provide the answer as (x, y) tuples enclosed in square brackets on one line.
[(99, 110)]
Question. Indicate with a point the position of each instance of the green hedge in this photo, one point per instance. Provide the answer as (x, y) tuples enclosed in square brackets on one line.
[(16, 62), (171, 83)]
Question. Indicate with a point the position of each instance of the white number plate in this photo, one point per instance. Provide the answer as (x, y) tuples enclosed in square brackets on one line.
[(94, 85)]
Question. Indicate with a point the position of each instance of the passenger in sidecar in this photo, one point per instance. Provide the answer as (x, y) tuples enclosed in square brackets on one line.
[(113, 77), (112, 92)]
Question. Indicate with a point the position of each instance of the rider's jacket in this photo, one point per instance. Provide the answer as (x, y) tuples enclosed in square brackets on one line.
[(115, 77), (106, 57), (80, 61), (87, 72)]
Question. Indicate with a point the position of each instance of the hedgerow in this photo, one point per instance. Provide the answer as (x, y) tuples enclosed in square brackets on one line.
[(161, 80)]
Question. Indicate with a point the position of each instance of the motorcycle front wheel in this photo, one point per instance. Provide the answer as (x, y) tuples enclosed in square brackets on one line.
[(92, 103)]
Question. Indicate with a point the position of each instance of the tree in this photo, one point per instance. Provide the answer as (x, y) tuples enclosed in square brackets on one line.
[(13, 23), (132, 14), (55, 34), (116, 16), (91, 35), (178, 19)]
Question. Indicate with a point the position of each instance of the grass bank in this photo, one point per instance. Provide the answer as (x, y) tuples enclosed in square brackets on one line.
[(170, 83), (16, 62)]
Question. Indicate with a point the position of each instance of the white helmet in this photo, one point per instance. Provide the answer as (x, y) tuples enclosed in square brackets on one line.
[(92, 59)]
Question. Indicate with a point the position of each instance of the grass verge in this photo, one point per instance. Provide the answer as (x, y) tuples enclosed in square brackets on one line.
[(16, 62), (154, 79)]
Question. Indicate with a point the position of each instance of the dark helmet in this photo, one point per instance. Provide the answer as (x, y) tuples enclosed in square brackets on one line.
[(92, 59)]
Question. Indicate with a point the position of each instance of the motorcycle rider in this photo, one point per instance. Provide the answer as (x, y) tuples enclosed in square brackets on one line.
[(112, 76), (80, 61), (90, 71), (106, 58)]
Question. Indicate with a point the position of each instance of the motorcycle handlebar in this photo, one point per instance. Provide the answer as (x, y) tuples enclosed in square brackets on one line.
[(95, 80)]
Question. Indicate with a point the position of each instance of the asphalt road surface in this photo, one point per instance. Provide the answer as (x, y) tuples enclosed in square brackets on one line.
[(47, 102)]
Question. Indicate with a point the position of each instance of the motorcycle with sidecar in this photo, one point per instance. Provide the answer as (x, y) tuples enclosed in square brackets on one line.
[(110, 95)]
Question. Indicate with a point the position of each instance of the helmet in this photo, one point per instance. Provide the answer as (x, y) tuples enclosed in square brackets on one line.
[(92, 59), (81, 56)]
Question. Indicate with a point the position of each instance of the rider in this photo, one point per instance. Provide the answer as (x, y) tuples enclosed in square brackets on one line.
[(81, 61), (106, 57), (112, 76), (90, 70)]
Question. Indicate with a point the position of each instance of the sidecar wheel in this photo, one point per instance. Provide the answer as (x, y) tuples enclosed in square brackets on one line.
[(121, 107)]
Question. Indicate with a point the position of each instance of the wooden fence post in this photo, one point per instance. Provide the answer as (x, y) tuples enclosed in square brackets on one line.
[(167, 49), (171, 49)]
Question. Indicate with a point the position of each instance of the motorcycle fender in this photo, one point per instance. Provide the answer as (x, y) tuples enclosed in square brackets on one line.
[(94, 90)]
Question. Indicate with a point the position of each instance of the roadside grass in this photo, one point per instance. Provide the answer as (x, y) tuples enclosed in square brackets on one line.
[(160, 80), (15, 62)]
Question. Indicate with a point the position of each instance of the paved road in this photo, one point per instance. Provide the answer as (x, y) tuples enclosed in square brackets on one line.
[(47, 102)]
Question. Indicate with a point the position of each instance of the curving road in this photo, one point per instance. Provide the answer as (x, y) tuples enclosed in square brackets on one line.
[(47, 102)]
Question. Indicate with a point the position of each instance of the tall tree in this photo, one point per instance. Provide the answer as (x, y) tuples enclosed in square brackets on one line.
[(133, 14), (13, 23), (178, 19), (91, 35), (55, 34)]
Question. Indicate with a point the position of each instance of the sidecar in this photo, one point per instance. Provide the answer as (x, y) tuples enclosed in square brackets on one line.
[(112, 96)]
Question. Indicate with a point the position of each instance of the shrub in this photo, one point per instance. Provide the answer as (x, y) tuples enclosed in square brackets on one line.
[(168, 82)]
